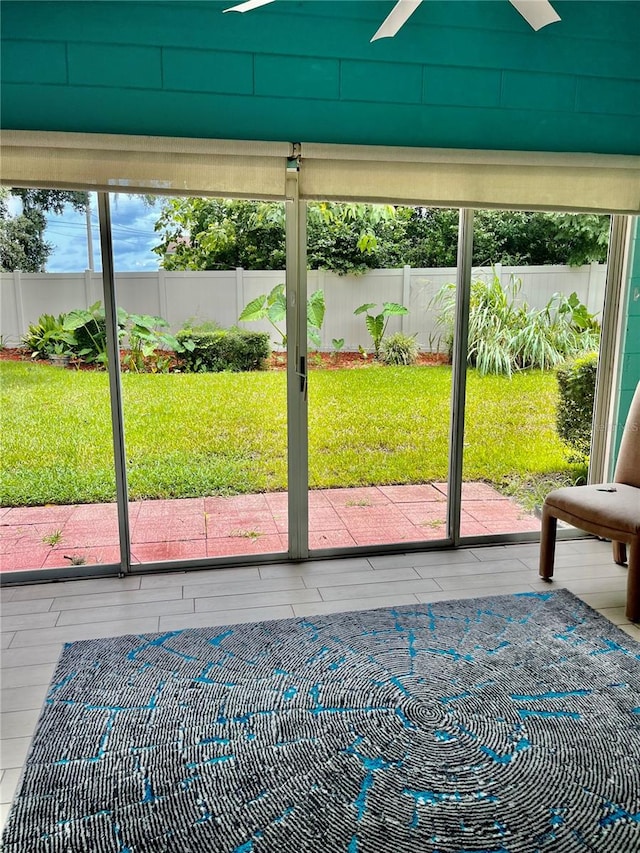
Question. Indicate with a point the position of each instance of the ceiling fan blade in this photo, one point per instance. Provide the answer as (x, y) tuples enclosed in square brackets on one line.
[(399, 15), (248, 6), (537, 13)]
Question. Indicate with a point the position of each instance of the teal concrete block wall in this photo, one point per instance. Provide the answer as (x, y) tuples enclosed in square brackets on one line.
[(465, 74)]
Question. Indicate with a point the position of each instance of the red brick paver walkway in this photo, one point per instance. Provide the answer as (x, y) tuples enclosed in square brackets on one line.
[(196, 528)]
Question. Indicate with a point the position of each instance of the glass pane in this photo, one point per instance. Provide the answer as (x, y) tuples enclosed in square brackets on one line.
[(204, 417), (536, 302), (58, 483), (380, 378)]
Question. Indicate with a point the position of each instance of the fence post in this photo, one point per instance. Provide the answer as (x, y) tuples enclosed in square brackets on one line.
[(497, 268), (591, 280), (320, 286), (239, 291), (163, 301), (406, 293), (17, 291), (87, 288)]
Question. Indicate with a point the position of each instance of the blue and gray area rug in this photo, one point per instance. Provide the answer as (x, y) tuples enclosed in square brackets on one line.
[(496, 725)]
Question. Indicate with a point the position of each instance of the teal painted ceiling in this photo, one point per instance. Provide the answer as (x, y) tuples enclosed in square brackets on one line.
[(459, 74)]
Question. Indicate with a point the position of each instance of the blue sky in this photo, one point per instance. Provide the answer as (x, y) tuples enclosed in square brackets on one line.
[(133, 236)]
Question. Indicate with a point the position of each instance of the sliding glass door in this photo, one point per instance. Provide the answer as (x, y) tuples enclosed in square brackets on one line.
[(379, 375), (261, 414), (204, 395), (535, 319), (58, 483)]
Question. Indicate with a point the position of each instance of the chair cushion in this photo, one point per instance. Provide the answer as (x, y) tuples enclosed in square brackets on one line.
[(628, 467), (619, 510)]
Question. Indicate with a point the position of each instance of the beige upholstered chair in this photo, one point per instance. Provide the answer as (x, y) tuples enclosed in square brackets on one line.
[(610, 510)]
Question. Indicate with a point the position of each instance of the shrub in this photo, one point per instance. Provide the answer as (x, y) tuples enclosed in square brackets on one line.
[(50, 335), (505, 336), (226, 349), (577, 387), (90, 329), (399, 349)]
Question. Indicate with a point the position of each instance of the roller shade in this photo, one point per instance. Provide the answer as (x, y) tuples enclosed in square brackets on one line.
[(462, 178), (426, 176), (144, 164)]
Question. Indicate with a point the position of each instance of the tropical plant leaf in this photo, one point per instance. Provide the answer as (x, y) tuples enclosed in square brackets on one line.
[(375, 326), (313, 334), (366, 307), (316, 309), (392, 309), (254, 310)]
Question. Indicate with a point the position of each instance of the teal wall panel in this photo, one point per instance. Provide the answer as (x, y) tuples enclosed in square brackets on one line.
[(381, 82), (199, 114), (207, 71), (609, 96), (462, 87), (468, 74), (33, 62), (297, 76), (538, 91), (125, 66)]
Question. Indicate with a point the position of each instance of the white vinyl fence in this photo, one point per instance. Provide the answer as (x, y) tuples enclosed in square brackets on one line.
[(221, 296)]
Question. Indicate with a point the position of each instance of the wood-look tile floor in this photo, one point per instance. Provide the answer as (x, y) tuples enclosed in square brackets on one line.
[(38, 619)]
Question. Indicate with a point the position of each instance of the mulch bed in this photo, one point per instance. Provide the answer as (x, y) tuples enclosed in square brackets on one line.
[(350, 360), (278, 360)]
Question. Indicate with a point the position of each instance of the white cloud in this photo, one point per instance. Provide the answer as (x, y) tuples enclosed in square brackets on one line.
[(132, 223)]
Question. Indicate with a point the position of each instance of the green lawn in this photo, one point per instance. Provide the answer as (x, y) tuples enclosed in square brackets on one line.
[(196, 434)]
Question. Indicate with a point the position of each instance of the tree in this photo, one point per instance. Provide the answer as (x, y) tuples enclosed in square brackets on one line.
[(351, 238), (219, 234), (22, 243)]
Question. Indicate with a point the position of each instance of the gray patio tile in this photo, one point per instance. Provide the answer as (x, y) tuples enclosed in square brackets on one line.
[(116, 599), (75, 587), (125, 611), (323, 608), (18, 724), (581, 586), (26, 676), (230, 617), (256, 599), (198, 576), (9, 784), (491, 583), (462, 569), (15, 608), (632, 630), (91, 630), (423, 558), (13, 751), (23, 698), (28, 620), (367, 590), (316, 567), (347, 578), (45, 653), (240, 587)]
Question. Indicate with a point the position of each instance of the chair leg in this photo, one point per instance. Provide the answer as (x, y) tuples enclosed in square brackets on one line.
[(620, 553), (547, 543), (633, 581)]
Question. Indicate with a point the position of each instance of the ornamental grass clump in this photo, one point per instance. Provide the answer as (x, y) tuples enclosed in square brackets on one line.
[(505, 336), (399, 349)]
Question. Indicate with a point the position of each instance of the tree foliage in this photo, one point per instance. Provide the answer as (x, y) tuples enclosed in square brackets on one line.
[(22, 243), (201, 234)]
